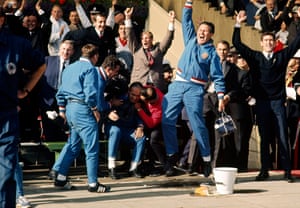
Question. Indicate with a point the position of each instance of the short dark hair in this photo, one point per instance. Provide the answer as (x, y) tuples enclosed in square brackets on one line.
[(135, 84), (101, 14), (119, 9), (267, 34), (89, 50), (167, 68), (112, 62), (210, 25)]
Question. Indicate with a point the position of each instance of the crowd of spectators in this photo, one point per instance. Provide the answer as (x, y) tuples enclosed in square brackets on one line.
[(278, 16)]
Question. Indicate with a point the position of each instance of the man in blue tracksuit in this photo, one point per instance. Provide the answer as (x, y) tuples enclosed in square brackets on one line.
[(78, 101), (16, 54), (198, 62)]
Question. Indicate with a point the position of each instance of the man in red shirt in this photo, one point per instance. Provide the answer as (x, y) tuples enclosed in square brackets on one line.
[(151, 115)]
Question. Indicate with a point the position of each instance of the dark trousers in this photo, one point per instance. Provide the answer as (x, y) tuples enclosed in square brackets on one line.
[(241, 140), (155, 146), (266, 110)]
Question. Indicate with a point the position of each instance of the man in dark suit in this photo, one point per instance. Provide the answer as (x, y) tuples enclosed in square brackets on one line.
[(99, 35), (49, 85), (268, 72), (38, 33), (271, 18), (37, 30), (235, 148)]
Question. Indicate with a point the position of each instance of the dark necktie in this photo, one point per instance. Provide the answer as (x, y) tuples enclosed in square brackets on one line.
[(63, 66), (149, 57), (60, 74), (100, 35)]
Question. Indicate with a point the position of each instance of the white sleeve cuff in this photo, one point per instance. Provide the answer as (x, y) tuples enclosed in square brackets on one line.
[(171, 26), (41, 12), (238, 25), (128, 23), (18, 13)]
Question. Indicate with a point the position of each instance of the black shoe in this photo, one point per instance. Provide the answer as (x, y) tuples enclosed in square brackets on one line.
[(99, 188), (52, 175), (288, 177), (191, 169), (262, 176), (66, 185), (206, 169), (124, 167), (155, 172), (171, 172), (136, 173), (182, 167), (112, 173), (171, 163)]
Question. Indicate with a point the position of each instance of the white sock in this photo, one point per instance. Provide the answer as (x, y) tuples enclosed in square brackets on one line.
[(92, 184), (61, 177), (133, 166), (111, 162), (206, 158)]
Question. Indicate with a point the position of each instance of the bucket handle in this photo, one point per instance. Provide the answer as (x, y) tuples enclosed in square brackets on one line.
[(215, 182)]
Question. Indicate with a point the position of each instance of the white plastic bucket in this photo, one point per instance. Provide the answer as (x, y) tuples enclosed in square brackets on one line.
[(224, 179)]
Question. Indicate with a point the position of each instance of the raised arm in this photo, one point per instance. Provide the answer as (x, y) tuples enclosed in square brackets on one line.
[(245, 51), (132, 41), (44, 18), (110, 20), (188, 28), (20, 10), (167, 41), (85, 21)]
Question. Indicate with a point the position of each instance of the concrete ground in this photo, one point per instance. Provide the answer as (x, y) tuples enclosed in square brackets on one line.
[(161, 192)]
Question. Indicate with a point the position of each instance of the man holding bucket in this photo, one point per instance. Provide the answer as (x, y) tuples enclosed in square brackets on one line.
[(198, 61)]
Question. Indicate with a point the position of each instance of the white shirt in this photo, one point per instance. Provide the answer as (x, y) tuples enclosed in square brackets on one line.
[(55, 37), (268, 55)]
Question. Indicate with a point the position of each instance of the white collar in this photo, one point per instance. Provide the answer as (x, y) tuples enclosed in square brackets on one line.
[(100, 33), (66, 61), (103, 73), (266, 54), (85, 59)]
